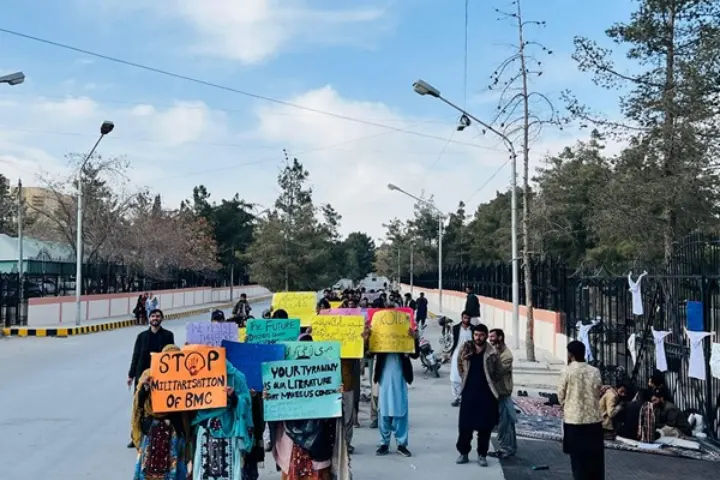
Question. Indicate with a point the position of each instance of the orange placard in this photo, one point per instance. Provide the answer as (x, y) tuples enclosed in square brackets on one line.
[(193, 378)]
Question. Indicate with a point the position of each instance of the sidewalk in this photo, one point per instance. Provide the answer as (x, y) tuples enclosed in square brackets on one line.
[(107, 324), (533, 377)]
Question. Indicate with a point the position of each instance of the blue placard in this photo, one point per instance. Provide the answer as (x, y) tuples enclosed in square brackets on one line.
[(695, 316), (248, 358), (272, 330), (302, 389)]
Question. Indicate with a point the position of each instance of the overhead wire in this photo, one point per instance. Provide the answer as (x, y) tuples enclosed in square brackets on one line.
[(224, 87)]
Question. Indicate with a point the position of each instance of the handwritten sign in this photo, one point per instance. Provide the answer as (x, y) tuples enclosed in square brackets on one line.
[(204, 333), (389, 333), (300, 305), (344, 311), (312, 350), (346, 329), (242, 334), (372, 311), (272, 330), (248, 358), (193, 378), (335, 304), (302, 389)]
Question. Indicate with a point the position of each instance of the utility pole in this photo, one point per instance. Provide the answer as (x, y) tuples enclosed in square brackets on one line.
[(412, 265), (21, 260)]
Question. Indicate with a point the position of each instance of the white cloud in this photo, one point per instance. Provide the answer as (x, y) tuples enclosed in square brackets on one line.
[(251, 31), (174, 148)]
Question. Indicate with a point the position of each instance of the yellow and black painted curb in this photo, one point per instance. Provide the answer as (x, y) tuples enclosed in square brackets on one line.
[(107, 326)]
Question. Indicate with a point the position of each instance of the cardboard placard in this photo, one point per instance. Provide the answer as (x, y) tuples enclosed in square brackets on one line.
[(372, 311), (207, 333), (389, 332), (302, 389), (346, 329), (312, 350), (249, 357), (272, 330), (302, 305), (193, 378)]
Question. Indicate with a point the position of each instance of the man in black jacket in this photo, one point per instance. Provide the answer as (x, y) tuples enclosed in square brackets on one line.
[(152, 340), (472, 305)]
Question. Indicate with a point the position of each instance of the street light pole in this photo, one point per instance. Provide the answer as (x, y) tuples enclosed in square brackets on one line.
[(423, 88), (21, 260), (441, 217), (412, 266), (105, 129)]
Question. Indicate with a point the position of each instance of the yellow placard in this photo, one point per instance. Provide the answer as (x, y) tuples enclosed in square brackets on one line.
[(242, 334), (193, 378), (346, 329), (335, 304), (389, 332), (302, 305)]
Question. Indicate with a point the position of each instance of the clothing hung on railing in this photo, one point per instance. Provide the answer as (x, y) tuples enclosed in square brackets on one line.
[(660, 358), (697, 355), (636, 292), (584, 337)]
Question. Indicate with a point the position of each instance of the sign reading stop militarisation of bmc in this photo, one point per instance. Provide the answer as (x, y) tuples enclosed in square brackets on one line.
[(193, 378)]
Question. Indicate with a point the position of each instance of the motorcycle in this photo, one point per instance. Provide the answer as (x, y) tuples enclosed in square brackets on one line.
[(429, 361)]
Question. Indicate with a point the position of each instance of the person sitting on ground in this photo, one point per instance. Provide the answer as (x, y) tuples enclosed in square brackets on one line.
[(611, 404), (668, 418), (629, 418), (657, 382)]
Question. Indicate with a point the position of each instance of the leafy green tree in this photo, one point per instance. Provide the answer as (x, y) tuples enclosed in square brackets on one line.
[(359, 249), (8, 208)]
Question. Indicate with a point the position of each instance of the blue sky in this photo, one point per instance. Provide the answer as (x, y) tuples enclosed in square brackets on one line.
[(357, 59)]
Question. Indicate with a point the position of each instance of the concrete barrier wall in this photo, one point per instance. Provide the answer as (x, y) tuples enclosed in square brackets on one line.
[(498, 314), (61, 310)]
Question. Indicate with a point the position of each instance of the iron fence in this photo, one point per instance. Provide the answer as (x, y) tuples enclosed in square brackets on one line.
[(603, 297), (97, 279)]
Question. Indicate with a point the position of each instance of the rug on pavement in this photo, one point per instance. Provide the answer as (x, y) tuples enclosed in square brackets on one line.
[(535, 406), (549, 427)]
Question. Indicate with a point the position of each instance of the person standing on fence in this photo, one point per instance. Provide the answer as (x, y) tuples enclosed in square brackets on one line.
[(472, 305), (579, 394), (152, 340), (507, 441), (462, 333)]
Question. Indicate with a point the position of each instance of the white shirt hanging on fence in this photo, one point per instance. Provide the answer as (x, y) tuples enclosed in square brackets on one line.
[(697, 355), (715, 360), (636, 292), (660, 358), (584, 337), (631, 347)]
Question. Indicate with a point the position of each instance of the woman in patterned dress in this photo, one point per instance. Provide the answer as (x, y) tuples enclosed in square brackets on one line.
[(164, 450), (224, 435)]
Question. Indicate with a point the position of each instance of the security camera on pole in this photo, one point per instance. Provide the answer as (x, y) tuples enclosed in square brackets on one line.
[(105, 129)]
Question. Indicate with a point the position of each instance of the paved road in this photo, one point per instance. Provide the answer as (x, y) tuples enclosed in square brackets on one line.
[(64, 415)]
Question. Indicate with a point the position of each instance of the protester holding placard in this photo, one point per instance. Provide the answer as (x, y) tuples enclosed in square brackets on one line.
[(224, 435), (164, 440), (310, 449), (393, 373)]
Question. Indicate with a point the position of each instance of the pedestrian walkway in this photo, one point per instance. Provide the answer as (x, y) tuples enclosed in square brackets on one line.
[(536, 377), (433, 433), (107, 324)]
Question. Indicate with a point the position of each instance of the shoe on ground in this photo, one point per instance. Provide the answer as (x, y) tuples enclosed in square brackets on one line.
[(403, 450), (350, 449), (462, 460), (374, 424), (456, 402), (382, 450), (131, 445), (482, 461)]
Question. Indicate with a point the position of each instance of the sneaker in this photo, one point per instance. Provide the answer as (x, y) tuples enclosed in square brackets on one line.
[(350, 449), (482, 461), (382, 450), (462, 460), (374, 424), (403, 450), (131, 445), (456, 402)]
